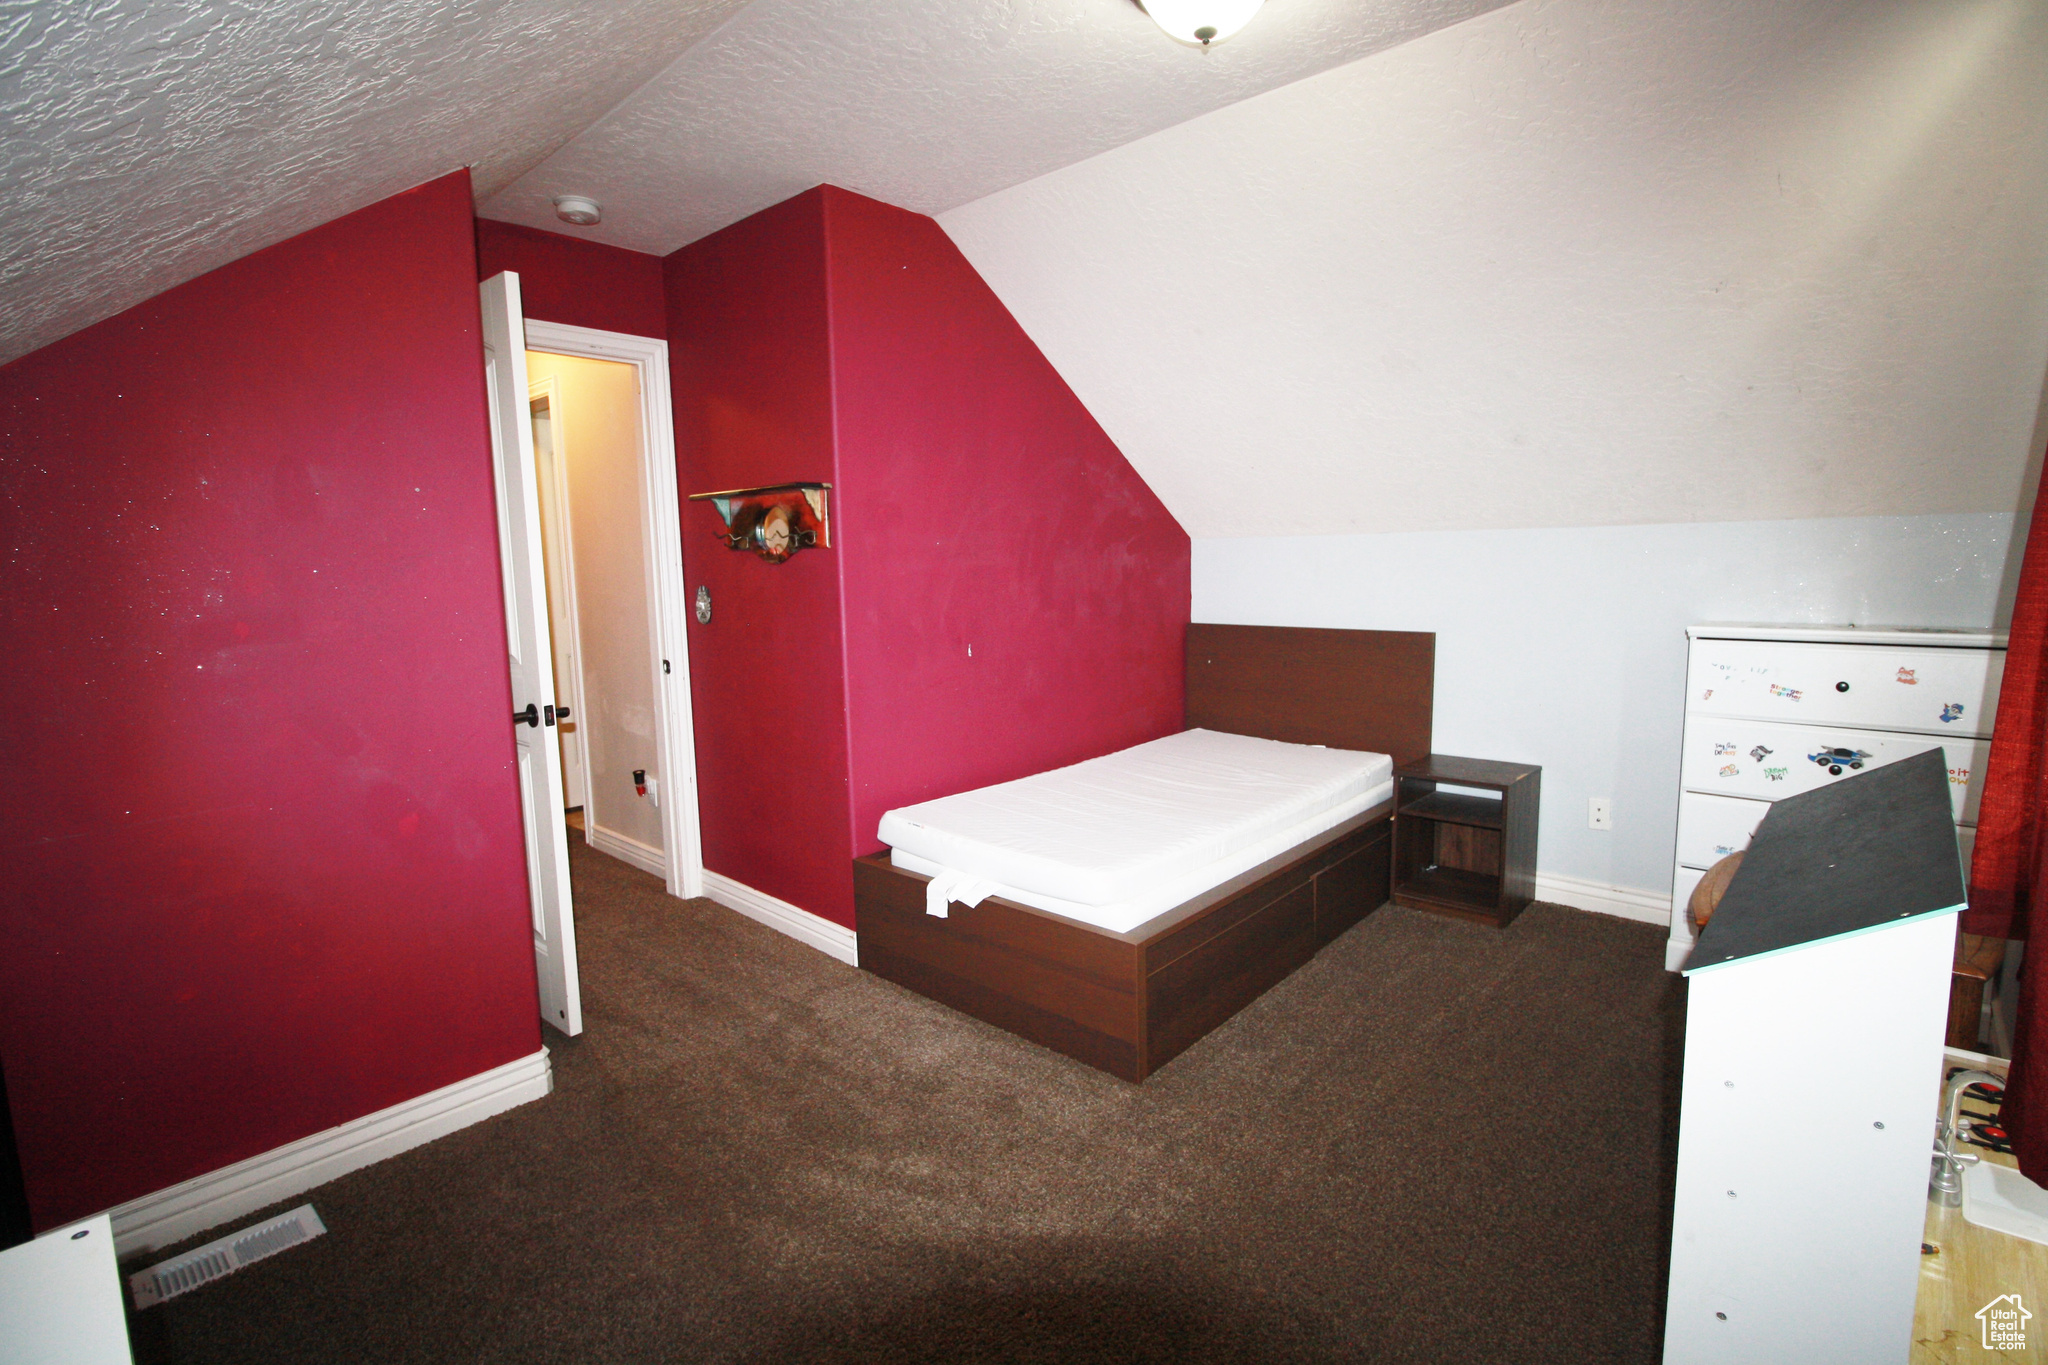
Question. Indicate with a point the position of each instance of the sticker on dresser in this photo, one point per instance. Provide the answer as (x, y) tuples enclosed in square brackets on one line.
[(1878, 687), (1717, 759), (1712, 827)]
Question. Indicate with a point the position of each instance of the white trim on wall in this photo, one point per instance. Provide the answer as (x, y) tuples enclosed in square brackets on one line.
[(1626, 902), (171, 1215), (830, 938), (626, 849), (661, 533)]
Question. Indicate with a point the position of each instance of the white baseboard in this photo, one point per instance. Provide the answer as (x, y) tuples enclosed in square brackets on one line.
[(646, 857), (171, 1215), (833, 940), (1625, 902)]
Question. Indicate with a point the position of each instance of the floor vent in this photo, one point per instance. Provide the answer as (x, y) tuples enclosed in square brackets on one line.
[(224, 1256)]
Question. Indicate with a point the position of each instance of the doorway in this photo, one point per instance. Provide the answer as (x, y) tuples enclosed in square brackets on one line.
[(604, 452), (532, 663), (588, 456)]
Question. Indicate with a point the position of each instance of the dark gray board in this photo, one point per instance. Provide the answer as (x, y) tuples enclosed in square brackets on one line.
[(1863, 852)]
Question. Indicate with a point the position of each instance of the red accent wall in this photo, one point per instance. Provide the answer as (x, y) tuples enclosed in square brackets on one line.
[(975, 503), (751, 372), (982, 509), (264, 865), (569, 279)]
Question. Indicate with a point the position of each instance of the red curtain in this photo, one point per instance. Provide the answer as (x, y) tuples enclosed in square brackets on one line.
[(2008, 874)]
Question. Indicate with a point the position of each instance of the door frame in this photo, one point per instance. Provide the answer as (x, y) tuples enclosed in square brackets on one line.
[(661, 534), (553, 484)]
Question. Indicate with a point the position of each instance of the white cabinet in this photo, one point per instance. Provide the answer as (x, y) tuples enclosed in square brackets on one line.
[(1773, 711), (60, 1299), (1799, 1203), (1800, 1194)]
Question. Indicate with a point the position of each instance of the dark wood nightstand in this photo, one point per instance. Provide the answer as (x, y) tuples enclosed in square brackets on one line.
[(1462, 853)]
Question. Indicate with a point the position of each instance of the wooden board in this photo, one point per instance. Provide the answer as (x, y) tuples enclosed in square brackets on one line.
[(1969, 1267), (1350, 689), (1128, 1003)]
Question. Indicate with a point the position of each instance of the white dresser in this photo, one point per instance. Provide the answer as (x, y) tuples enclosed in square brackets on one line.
[(1773, 711)]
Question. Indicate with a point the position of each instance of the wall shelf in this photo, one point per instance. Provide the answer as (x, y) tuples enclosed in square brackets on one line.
[(774, 520), (1456, 808)]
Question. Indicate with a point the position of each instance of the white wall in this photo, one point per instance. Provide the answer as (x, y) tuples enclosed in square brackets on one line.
[(1573, 262), (1564, 328), (599, 415), (1566, 647)]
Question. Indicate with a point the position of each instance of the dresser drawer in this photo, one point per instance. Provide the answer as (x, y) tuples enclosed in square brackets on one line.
[(1683, 881), (1762, 761), (1712, 827), (1871, 687)]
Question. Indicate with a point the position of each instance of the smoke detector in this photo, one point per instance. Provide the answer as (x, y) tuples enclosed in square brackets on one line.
[(579, 209)]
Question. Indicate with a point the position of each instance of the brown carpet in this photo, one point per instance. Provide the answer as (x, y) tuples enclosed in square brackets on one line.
[(1435, 1142)]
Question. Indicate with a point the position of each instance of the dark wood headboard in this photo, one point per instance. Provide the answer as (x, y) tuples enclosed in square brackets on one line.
[(1349, 689)]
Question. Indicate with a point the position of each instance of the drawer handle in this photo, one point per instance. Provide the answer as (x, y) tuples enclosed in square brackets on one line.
[(1841, 687)]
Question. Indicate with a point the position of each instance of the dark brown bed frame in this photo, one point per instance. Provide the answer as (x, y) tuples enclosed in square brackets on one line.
[(1128, 1003)]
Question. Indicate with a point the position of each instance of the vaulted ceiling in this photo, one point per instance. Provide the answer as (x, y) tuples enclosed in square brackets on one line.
[(1547, 263), (1573, 263), (148, 141)]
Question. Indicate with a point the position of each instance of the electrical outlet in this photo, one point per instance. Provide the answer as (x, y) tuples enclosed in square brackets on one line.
[(1600, 813)]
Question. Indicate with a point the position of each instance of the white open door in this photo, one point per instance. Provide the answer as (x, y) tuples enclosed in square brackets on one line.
[(545, 402), (526, 635)]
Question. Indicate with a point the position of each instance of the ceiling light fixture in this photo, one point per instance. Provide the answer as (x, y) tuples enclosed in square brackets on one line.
[(579, 209), (1200, 23)]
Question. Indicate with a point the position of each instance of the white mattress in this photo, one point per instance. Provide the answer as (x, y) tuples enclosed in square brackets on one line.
[(1117, 840)]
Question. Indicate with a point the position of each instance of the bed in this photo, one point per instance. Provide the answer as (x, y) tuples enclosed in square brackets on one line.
[(1129, 999)]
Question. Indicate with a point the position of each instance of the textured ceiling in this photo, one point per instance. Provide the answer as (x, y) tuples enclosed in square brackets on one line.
[(926, 104), (148, 141)]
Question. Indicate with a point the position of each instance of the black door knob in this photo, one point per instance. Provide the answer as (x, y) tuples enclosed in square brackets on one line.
[(1841, 687), (531, 715)]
